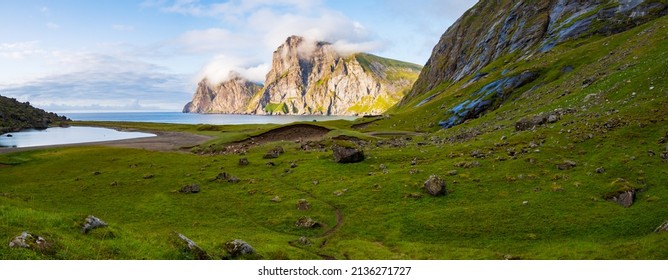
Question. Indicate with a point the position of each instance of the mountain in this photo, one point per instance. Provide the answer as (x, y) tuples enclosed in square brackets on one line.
[(313, 78), (229, 97), (500, 51), (15, 116)]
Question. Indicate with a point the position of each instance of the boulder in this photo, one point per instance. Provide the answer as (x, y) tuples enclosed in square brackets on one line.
[(91, 222), (303, 205), (626, 198), (306, 222), (243, 162), (347, 154), (238, 247), (30, 241), (662, 228), (435, 186), (274, 153), (568, 164), (192, 188), (189, 247)]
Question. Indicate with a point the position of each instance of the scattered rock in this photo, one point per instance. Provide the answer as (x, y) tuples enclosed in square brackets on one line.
[(651, 153), (568, 164), (189, 247), (625, 199), (293, 165), (243, 161), (414, 161), (600, 170), (477, 154), (624, 193), (303, 205), (148, 176), (413, 171), (511, 257), (192, 188), (238, 247), (91, 222), (306, 222), (276, 199), (347, 155), (270, 163), (452, 172), (96, 173), (274, 153), (382, 167), (304, 241), (234, 180), (222, 176), (525, 202), (503, 138), (435, 186), (114, 184), (664, 155), (29, 241), (662, 228)]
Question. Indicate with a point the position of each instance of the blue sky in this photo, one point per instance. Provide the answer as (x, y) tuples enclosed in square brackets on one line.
[(107, 55)]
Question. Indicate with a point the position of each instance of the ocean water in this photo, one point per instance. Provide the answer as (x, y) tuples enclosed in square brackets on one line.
[(65, 135), (181, 118)]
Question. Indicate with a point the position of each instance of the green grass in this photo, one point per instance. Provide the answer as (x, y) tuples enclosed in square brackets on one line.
[(49, 192)]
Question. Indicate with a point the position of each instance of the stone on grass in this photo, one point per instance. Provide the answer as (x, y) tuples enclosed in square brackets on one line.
[(276, 199), (662, 228), (238, 247), (303, 205), (91, 222), (189, 247), (274, 153), (29, 241), (435, 186), (243, 162), (306, 222), (192, 188), (568, 164), (625, 199), (347, 154)]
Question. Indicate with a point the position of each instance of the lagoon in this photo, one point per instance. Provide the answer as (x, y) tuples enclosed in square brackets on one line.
[(65, 135)]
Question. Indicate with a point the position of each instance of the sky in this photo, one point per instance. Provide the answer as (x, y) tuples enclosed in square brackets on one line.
[(109, 55)]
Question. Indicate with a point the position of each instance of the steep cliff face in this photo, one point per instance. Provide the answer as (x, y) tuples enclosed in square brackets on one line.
[(312, 78), (229, 97), (515, 30)]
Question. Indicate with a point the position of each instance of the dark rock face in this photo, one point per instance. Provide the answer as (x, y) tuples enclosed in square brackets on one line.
[(192, 188), (306, 222), (495, 28), (347, 155), (238, 248), (92, 222), (435, 186)]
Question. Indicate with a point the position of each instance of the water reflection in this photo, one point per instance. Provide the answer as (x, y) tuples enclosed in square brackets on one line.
[(65, 135)]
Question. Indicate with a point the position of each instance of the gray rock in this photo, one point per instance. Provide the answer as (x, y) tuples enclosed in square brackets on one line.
[(306, 222), (238, 248), (274, 153), (30, 241), (662, 228), (243, 162), (190, 248), (276, 199), (626, 198), (414, 161), (568, 164), (303, 205), (600, 170), (91, 222), (435, 186), (293, 165), (304, 241), (234, 180), (192, 188), (347, 155)]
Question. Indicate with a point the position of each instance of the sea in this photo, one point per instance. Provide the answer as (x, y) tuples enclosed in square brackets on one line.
[(182, 118)]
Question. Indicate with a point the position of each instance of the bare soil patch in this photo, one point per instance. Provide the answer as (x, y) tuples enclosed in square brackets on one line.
[(295, 132)]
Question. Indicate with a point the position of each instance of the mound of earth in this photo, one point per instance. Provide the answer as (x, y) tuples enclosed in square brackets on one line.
[(295, 132)]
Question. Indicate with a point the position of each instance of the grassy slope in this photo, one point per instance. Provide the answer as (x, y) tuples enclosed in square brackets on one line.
[(49, 192)]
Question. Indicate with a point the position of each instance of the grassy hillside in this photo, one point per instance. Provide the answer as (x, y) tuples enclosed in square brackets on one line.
[(15, 116), (538, 193)]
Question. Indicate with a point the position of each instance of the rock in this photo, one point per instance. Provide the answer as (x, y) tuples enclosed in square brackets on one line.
[(304, 241), (238, 247), (96, 173), (29, 241), (148, 176), (664, 155), (477, 154), (276, 199), (413, 195), (552, 118), (435, 186), (662, 228), (228, 97), (293, 165), (625, 199), (511, 257), (414, 161), (114, 184), (192, 188), (91, 222), (234, 180), (347, 155), (600, 170), (222, 176), (274, 153), (270, 163), (452, 172), (243, 162), (303, 205), (190, 248), (525, 202), (306, 222), (382, 167), (651, 153), (568, 164)]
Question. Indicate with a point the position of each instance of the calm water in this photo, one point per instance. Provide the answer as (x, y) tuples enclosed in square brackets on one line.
[(65, 135), (181, 118)]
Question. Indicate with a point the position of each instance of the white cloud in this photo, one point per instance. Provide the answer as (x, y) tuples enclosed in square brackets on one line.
[(219, 69), (20, 50), (122, 27)]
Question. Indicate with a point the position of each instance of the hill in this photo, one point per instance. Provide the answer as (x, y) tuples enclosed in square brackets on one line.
[(15, 116)]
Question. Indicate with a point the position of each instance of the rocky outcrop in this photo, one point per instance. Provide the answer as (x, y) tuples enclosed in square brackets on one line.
[(516, 30), (15, 116), (229, 97), (312, 78)]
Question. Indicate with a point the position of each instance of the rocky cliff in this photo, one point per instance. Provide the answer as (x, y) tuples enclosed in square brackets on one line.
[(229, 97), (312, 78), (516, 30), (15, 116)]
